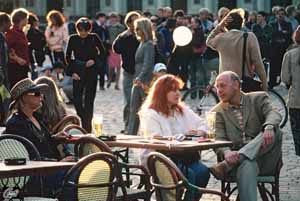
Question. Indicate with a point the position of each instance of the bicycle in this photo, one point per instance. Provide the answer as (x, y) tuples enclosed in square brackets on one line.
[(203, 98)]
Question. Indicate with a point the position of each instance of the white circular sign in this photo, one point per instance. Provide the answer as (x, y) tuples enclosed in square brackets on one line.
[(182, 36)]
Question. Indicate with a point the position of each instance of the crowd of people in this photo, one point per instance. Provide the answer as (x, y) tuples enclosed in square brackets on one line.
[(65, 66)]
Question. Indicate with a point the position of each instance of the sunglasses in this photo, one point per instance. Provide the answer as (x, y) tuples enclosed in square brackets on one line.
[(36, 94)]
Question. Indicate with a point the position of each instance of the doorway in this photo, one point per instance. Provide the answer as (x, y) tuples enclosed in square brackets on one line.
[(179, 4), (134, 5), (55, 5), (227, 3)]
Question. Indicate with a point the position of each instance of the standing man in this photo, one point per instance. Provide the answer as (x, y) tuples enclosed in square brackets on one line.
[(250, 122), (228, 39), (263, 32), (281, 39), (126, 45), (17, 42), (100, 29), (4, 27)]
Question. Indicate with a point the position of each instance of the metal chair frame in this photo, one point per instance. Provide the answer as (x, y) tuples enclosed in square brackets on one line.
[(181, 184)]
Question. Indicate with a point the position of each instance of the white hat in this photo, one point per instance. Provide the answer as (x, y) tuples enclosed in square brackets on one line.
[(158, 67)]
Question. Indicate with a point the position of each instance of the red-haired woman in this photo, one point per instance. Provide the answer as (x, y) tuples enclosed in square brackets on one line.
[(163, 114), (57, 35), (290, 75)]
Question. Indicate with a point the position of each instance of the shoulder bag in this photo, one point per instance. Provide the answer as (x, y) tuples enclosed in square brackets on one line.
[(248, 83)]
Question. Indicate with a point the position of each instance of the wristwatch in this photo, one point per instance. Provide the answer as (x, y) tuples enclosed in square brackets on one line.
[(269, 127)]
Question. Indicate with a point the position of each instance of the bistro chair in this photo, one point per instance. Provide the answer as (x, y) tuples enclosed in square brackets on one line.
[(74, 129), (262, 181), (14, 146), (87, 145), (94, 177), (168, 181), (67, 120)]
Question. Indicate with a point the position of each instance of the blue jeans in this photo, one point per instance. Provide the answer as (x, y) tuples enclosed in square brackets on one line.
[(197, 173)]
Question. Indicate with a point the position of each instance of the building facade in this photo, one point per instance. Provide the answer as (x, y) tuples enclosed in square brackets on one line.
[(90, 7)]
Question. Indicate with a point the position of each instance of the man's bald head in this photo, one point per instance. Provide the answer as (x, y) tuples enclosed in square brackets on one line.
[(228, 86), (230, 76)]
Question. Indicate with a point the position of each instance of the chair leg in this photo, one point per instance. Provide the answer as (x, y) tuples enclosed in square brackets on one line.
[(262, 192)]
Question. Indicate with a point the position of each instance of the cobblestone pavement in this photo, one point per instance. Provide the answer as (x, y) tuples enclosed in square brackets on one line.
[(110, 104)]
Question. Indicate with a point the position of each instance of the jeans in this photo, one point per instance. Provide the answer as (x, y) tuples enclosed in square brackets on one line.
[(197, 173), (127, 87), (295, 125), (137, 98)]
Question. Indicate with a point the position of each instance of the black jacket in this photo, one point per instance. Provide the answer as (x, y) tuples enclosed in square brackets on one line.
[(126, 46), (20, 124)]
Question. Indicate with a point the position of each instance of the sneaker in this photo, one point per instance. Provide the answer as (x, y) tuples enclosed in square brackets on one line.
[(102, 88)]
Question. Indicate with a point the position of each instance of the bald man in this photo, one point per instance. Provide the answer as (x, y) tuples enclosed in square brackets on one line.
[(250, 122)]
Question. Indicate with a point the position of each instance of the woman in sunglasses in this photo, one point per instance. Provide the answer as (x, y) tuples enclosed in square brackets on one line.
[(24, 121), (84, 53)]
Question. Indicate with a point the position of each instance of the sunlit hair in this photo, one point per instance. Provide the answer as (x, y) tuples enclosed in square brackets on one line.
[(157, 97), (18, 14), (237, 16), (144, 25), (128, 18), (53, 104), (296, 36), (57, 16)]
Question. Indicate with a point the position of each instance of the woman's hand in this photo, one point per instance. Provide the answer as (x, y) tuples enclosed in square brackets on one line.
[(68, 159), (75, 76), (61, 135), (89, 63)]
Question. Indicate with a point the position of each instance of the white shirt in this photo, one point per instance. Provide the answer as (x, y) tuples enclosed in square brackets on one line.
[(155, 123)]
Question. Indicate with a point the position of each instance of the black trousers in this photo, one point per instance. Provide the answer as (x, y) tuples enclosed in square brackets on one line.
[(84, 91), (295, 126), (275, 65)]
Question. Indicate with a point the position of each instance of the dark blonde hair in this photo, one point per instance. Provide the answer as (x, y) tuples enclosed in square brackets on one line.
[(53, 106), (57, 16), (145, 26)]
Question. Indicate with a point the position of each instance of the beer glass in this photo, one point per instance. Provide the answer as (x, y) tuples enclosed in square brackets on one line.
[(211, 124), (98, 124)]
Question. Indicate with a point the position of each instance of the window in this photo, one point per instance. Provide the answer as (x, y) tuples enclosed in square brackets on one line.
[(29, 3), (197, 2), (107, 2), (92, 6), (68, 3), (150, 2)]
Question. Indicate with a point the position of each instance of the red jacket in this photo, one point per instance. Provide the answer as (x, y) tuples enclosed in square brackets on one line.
[(17, 40)]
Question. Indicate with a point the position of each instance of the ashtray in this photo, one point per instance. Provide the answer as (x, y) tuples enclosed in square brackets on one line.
[(15, 161), (107, 137)]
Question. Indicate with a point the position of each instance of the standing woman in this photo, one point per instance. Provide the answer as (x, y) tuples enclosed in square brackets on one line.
[(84, 51), (37, 43), (18, 64), (144, 63), (290, 75), (56, 35)]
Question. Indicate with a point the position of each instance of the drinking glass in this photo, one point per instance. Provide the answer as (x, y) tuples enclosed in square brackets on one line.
[(98, 124), (211, 124)]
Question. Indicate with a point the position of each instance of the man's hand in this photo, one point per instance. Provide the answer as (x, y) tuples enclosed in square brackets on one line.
[(75, 76), (232, 157), (268, 138), (225, 21), (89, 63)]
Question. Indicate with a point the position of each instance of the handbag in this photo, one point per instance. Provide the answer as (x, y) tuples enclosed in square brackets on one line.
[(248, 83)]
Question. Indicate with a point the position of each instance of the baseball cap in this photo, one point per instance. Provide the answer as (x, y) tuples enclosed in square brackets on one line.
[(158, 67)]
